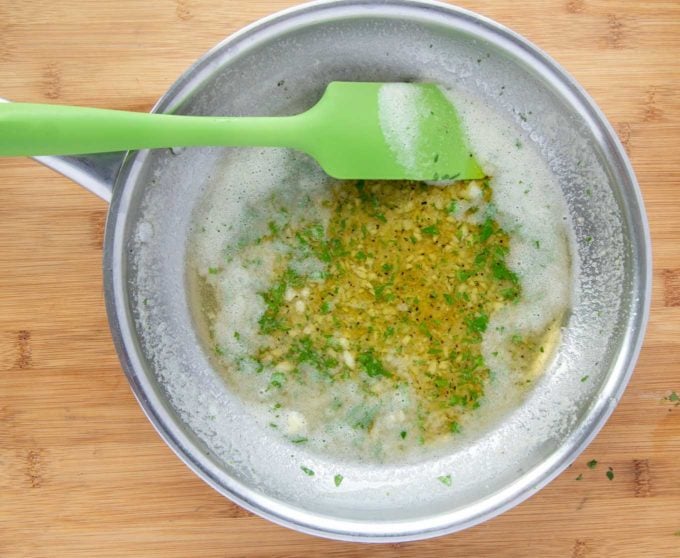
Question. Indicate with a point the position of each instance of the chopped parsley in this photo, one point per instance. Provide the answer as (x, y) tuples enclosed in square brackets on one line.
[(307, 471), (337, 479), (352, 297), (273, 228), (445, 480), (592, 464), (486, 231), (673, 398), (477, 324), (372, 365), (277, 379), (501, 271), (610, 473)]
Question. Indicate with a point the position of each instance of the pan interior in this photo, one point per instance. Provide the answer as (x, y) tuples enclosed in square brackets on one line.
[(284, 72)]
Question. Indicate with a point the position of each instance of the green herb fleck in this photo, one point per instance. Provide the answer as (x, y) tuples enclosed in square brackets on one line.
[(501, 271), (372, 365), (454, 427), (307, 471), (453, 206), (487, 230), (510, 294), (274, 299), (477, 324), (299, 440), (237, 336), (440, 382), (584, 378), (423, 327), (432, 230), (592, 464), (445, 480), (580, 477), (213, 270), (325, 307), (464, 275), (610, 474), (403, 434), (277, 379), (448, 298), (360, 256), (303, 350), (379, 292), (337, 479), (389, 332)]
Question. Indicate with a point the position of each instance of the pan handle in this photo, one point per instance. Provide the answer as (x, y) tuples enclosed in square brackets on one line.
[(96, 173)]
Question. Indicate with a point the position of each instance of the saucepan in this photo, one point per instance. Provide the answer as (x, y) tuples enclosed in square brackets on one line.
[(279, 66)]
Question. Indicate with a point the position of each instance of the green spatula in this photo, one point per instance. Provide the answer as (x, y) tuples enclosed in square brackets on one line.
[(356, 130)]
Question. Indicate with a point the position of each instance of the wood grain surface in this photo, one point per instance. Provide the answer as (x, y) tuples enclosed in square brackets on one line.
[(82, 472)]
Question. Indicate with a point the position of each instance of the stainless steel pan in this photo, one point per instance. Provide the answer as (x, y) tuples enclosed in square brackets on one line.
[(278, 66)]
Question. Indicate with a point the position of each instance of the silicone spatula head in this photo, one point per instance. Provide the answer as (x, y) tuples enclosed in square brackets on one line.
[(389, 131)]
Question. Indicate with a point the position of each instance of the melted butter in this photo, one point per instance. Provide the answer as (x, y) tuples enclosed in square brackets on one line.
[(335, 370), (380, 310), (530, 354)]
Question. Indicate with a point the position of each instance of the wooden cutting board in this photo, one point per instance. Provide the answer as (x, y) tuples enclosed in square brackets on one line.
[(82, 473)]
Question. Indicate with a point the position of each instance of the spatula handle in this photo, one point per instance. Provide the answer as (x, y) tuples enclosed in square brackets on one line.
[(28, 129)]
